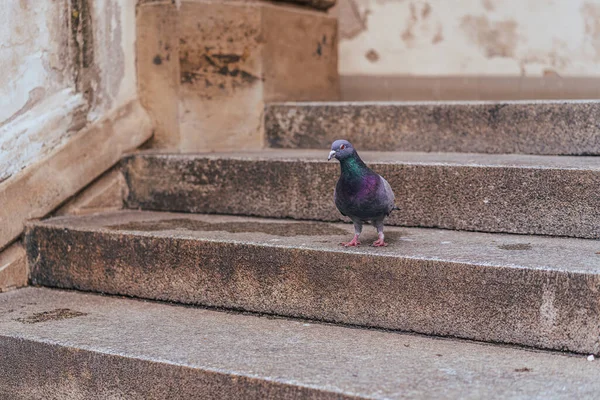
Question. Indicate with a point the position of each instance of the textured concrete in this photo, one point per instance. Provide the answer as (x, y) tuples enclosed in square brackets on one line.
[(554, 127), (157, 34), (316, 4), (535, 291), (45, 185), (13, 267), (495, 193), (121, 348), (466, 87), (104, 194), (207, 68)]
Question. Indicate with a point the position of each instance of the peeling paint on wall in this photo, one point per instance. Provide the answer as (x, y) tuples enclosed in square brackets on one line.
[(534, 38), (497, 39), (590, 13), (65, 63), (35, 134), (32, 53), (352, 18)]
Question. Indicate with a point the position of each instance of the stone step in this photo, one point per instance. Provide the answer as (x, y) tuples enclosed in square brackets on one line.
[(537, 195), (68, 345), (535, 291), (530, 127)]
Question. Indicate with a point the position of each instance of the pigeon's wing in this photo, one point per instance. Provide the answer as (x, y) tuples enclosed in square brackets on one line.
[(387, 197), (335, 200)]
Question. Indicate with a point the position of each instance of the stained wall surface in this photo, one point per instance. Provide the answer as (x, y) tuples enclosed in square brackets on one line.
[(470, 37), (536, 42), (63, 64)]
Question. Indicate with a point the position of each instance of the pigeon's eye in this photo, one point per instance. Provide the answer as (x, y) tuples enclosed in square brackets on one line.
[(342, 147)]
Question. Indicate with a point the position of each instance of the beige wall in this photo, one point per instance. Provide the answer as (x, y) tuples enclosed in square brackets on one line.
[(531, 38), (63, 64)]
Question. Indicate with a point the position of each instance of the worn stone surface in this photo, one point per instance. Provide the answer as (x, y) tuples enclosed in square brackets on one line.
[(465, 87), (527, 290), (218, 62), (43, 186), (104, 194), (221, 76), (467, 39), (316, 4), (157, 65), (554, 127), (299, 63), (13, 267), (64, 64), (140, 350), (494, 193)]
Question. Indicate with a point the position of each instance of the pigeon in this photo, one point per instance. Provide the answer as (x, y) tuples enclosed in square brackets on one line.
[(360, 194)]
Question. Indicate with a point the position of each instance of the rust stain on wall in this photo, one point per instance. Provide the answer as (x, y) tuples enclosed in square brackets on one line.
[(82, 36), (215, 72), (426, 11), (352, 21), (372, 55), (488, 5), (439, 35), (420, 25), (591, 19), (496, 39), (408, 35), (115, 71)]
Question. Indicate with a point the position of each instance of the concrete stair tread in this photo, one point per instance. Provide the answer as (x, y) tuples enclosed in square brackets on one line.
[(529, 127), (523, 194), (494, 250), (399, 157), (534, 291), (100, 347)]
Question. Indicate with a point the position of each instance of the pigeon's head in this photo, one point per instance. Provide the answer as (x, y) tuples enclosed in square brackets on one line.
[(341, 149)]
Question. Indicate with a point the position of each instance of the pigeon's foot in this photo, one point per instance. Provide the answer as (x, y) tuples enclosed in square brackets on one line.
[(353, 243), (379, 243)]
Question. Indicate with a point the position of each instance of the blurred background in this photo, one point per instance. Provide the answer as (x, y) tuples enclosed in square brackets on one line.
[(469, 49)]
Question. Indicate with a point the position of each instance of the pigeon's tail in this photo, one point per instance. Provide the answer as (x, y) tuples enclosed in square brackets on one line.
[(393, 209)]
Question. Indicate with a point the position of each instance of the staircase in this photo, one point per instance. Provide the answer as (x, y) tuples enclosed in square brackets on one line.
[(490, 287)]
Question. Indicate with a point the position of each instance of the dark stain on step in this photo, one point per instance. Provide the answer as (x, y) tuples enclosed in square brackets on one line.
[(270, 228), (54, 315), (524, 369), (515, 246)]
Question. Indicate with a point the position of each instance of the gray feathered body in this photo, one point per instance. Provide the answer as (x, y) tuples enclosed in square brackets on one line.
[(362, 194)]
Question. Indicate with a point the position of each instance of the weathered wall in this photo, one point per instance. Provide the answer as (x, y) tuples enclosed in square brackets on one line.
[(469, 49), (64, 63), (470, 37)]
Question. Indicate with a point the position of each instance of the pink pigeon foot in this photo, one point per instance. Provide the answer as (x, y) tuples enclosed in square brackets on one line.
[(379, 243), (353, 243)]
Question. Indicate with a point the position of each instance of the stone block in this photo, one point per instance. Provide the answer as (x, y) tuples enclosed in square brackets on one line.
[(104, 194), (525, 194), (535, 291), (116, 348), (44, 186), (532, 127), (13, 268), (208, 68)]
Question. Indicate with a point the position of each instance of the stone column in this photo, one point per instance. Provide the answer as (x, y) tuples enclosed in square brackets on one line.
[(206, 68)]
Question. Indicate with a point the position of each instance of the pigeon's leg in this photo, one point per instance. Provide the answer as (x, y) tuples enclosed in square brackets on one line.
[(357, 230), (379, 242)]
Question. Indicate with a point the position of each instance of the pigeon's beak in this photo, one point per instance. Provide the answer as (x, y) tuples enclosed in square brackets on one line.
[(331, 155)]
